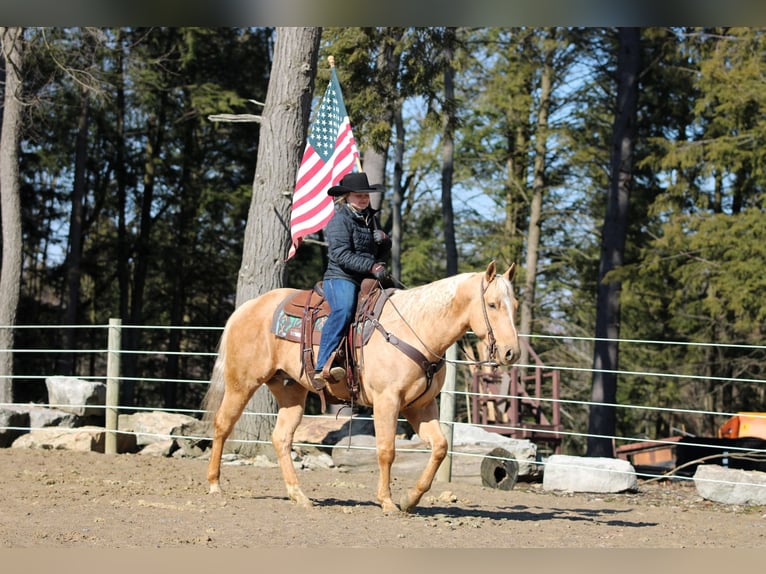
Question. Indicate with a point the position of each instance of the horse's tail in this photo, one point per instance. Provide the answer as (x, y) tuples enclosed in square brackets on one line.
[(215, 390)]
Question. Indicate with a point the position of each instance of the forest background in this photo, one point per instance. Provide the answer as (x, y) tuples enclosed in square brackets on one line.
[(492, 143)]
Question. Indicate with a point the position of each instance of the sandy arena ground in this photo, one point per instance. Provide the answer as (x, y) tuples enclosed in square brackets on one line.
[(62, 499)]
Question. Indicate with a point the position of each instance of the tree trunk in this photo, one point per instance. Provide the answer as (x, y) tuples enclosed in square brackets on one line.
[(397, 196), (121, 177), (387, 72), (10, 203), (448, 151), (155, 140), (602, 420), (267, 235), (536, 206), (74, 259)]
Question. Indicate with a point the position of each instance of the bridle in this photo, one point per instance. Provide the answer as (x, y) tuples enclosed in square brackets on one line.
[(491, 341)]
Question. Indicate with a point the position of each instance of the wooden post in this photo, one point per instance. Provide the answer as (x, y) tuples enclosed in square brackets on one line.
[(112, 385), (447, 414)]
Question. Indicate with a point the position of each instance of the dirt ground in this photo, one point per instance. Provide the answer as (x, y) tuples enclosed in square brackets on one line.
[(66, 499)]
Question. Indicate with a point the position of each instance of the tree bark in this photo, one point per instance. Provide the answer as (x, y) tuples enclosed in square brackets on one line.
[(448, 151), (602, 420), (397, 196), (74, 259), (387, 73), (282, 138), (536, 207), (10, 203)]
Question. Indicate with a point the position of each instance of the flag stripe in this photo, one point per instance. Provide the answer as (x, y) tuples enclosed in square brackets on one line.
[(330, 154)]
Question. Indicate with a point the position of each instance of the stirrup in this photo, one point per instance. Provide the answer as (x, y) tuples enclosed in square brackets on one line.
[(319, 381)]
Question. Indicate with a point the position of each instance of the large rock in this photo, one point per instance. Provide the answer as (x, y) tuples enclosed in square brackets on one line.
[(19, 419), (40, 417), (329, 430), (87, 438), (193, 438), (163, 448), (152, 426), (76, 396), (588, 474), (14, 422), (730, 485)]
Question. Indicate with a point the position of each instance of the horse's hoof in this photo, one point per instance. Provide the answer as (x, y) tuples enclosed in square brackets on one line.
[(389, 507), (307, 503), (214, 489), (295, 494), (407, 505), (302, 501)]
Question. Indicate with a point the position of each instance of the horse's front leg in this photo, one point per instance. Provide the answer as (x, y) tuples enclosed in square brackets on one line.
[(291, 399), (425, 422), (385, 420)]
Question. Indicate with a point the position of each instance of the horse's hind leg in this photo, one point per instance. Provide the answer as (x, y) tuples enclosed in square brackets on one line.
[(291, 398), (225, 418), (425, 422)]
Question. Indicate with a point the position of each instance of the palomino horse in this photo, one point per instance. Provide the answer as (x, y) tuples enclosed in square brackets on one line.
[(430, 318)]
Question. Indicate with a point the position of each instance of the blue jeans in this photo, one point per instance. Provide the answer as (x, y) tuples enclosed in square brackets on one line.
[(341, 295)]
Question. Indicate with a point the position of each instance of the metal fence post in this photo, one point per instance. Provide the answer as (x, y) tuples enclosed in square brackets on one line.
[(112, 385), (447, 413)]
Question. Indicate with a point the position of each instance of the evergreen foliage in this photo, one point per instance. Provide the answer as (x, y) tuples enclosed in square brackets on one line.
[(165, 194)]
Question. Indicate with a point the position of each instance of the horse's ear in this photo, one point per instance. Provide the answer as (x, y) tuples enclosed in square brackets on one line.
[(491, 271), (511, 271)]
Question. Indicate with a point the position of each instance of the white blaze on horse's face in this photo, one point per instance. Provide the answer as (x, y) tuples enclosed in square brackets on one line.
[(497, 327)]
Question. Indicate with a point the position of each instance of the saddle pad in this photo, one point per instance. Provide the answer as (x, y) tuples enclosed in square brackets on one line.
[(285, 326)]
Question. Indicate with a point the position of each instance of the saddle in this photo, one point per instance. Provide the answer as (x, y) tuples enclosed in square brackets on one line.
[(300, 317)]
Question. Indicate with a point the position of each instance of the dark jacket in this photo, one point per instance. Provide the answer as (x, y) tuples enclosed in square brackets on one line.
[(351, 247)]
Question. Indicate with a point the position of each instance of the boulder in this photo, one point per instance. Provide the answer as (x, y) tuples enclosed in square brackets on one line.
[(76, 396), (192, 438), (588, 474), (730, 485), (14, 422), (87, 438), (328, 431), (162, 448), (152, 426), (40, 417)]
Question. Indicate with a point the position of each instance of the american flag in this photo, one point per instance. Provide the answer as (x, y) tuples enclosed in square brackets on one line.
[(330, 154)]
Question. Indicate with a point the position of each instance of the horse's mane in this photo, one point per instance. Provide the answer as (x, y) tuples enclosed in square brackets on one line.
[(429, 300)]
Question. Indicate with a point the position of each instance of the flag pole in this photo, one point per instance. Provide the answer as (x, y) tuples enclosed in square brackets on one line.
[(331, 61)]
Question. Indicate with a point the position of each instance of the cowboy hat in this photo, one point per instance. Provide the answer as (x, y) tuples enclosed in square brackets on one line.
[(356, 183)]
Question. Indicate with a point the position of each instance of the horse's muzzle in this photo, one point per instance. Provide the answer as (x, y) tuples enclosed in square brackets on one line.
[(508, 355)]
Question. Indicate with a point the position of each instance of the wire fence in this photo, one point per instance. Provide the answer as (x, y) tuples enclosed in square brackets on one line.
[(37, 362)]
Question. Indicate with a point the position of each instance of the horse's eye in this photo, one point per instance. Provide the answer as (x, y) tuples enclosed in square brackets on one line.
[(493, 305)]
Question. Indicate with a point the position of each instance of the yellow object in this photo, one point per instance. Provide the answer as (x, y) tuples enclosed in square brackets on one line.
[(744, 425)]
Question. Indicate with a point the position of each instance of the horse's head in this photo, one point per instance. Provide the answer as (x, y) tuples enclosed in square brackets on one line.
[(492, 319)]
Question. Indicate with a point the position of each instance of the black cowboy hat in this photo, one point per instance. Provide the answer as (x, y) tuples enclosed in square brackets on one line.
[(356, 183)]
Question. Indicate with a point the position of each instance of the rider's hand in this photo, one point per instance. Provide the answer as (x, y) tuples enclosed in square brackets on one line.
[(378, 271)]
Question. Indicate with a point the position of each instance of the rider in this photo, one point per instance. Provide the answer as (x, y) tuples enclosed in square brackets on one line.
[(356, 248)]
